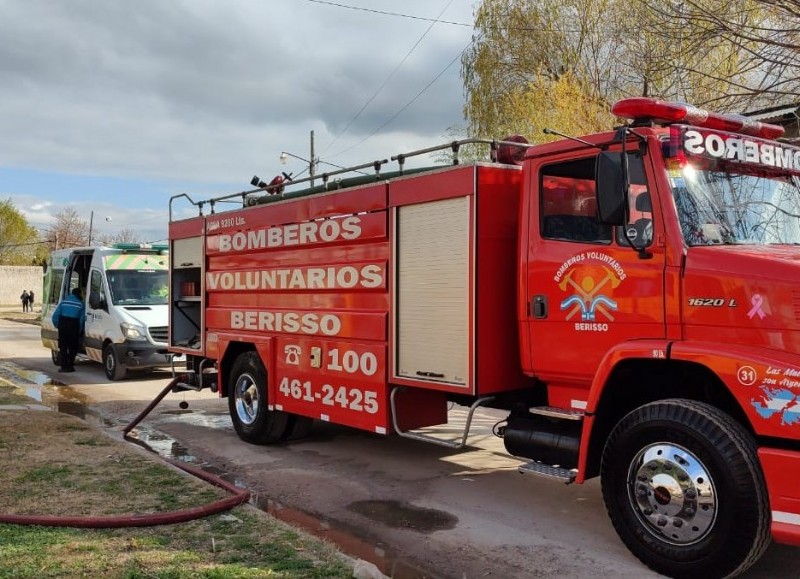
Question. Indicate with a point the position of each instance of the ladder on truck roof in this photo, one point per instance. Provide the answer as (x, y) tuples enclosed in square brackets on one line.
[(509, 151)]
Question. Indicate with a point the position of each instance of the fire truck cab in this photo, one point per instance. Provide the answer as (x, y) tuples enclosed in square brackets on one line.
[(630, 298)]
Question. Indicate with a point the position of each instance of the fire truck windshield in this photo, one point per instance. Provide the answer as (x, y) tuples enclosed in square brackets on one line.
[(729, 202)]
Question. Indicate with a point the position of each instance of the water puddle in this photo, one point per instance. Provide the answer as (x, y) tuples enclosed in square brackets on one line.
[(62, 398), (388, 561), (404, 516), (52, 393)]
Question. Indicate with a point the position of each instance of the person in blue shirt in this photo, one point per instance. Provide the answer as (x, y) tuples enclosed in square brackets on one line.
[(69, 317)]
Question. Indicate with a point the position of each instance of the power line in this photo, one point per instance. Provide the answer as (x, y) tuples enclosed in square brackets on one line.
[(409, 103), (15, 245), (384, 13), (451, 22), (388, 78)]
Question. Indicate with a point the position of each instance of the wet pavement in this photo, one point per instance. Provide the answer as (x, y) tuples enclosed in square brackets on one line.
[(47, 393), (382, 499)]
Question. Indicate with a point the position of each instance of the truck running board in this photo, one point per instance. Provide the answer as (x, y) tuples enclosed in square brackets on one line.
[(432, 439), (552, 412), (563, 474)]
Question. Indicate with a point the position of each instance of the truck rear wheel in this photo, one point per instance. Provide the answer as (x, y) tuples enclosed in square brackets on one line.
[(299, 427), (684, 490), (247, 401)]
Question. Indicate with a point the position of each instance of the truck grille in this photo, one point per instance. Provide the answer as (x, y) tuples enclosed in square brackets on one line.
[(159, 334)]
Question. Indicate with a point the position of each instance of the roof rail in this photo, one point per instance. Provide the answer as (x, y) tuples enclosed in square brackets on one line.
[(275, 190)]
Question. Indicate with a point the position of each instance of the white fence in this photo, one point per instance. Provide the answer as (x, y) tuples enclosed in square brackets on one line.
[(14, 279)]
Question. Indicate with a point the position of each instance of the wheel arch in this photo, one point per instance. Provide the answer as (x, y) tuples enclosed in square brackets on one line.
[(233, 351), (634, 382), (696, 504)]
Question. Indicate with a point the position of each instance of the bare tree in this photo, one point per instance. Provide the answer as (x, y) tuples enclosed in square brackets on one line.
[(68, 230), (761, 39), (125, 235)]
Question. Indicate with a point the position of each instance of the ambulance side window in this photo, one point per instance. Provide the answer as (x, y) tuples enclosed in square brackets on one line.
[(96, 288), (568, 206), (54, 290)]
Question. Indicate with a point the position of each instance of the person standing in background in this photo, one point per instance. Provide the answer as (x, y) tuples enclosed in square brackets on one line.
[(24, 297)]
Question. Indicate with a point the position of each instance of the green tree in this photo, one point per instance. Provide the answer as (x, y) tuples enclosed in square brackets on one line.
[(562, 63), (18, 239)]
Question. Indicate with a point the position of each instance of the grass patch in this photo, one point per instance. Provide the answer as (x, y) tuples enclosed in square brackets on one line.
[(54, 464), (9, 396), (180, 551)]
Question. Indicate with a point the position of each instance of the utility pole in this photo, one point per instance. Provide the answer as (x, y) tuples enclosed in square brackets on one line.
[(313, 162), (91, 219)]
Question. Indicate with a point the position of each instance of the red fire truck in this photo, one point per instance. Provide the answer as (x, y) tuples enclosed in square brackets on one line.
[(630, 298)]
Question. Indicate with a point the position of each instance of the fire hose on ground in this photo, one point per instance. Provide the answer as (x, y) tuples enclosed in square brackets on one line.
[(238, 496)]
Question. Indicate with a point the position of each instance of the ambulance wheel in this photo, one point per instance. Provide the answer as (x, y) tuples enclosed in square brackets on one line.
[(247, 401), (684, 490), (114, 370), (55, 357)]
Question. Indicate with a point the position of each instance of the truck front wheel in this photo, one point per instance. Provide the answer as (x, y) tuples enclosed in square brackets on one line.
[(684, 490), (247, 402)]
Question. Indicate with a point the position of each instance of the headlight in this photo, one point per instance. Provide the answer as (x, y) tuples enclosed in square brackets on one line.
[(133, 332)]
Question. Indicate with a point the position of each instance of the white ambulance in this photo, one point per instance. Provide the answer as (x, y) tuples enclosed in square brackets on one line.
[(125, 289)]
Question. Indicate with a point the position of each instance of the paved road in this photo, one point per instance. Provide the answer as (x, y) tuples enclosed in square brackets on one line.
[(417, 510)]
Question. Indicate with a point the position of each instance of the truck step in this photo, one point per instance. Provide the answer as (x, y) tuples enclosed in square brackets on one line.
[(563, 474), (184, 386), (553, 412)]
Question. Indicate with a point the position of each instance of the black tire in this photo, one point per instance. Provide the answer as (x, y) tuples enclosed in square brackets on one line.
[(248, 405), (684, 490), (299, 427), (114, 370)]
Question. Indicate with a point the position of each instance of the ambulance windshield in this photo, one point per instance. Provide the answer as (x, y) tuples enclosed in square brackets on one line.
[(730, 189), (140, 287)]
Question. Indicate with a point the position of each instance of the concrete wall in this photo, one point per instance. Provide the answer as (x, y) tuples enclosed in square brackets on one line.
[(14, 279)]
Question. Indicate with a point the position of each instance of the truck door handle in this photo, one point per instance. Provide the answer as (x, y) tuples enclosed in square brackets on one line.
[(539, 306)]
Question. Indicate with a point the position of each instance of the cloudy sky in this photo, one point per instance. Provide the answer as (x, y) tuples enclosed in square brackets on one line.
[(114, 106)]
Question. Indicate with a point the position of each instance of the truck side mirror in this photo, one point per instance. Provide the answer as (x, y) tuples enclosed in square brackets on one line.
[(610, 188)]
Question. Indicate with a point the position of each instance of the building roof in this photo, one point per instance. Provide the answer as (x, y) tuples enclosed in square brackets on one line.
[(775, 113)]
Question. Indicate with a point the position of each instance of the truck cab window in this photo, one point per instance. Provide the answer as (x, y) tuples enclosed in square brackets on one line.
[(568, 205)]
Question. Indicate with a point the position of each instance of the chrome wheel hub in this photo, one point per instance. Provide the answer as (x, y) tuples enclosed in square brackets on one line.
[(247, 400), (672, 493)]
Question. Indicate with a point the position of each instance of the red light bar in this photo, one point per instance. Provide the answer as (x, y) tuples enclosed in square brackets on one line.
[(662, 112)]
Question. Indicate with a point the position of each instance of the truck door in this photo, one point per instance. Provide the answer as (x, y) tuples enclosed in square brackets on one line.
[(587, 289)]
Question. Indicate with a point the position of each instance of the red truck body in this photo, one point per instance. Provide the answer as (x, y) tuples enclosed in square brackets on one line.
[(376, 305)]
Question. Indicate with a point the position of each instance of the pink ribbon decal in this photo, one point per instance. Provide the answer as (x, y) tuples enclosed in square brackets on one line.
[(757, 300)]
